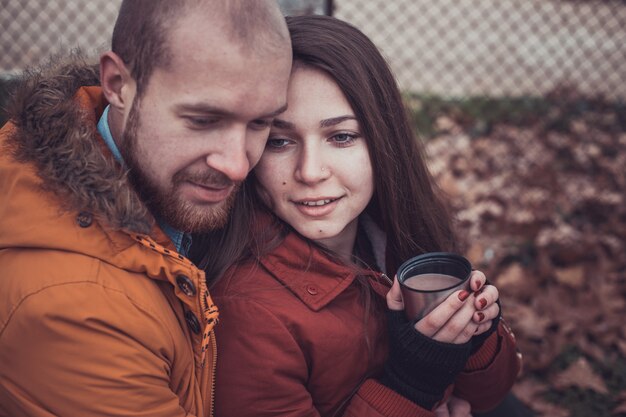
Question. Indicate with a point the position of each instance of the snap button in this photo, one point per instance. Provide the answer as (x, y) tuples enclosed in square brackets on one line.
[(84, 219), (192, 322), (186, 285), (311, 289)]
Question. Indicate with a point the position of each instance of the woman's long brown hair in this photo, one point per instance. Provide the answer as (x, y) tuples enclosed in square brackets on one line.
[(406, 204)]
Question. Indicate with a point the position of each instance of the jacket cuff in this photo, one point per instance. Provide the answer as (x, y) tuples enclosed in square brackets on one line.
[(388, 402), (485, 355), (486, 387)]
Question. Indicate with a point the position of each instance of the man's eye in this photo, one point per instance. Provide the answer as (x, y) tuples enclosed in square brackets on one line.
[(261, 124), (197, 122)]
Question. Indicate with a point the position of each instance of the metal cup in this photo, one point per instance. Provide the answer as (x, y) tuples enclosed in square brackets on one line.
[(426, 280)]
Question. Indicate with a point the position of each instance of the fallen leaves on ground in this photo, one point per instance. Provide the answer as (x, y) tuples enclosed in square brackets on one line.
[(542, 212)]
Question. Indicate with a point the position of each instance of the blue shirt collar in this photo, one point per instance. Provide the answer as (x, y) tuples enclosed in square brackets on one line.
[(105, 132), (181, 241)]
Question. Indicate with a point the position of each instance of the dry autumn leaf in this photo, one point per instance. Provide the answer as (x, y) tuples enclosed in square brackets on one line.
[(580, 374), (572, 277), (527, 320)]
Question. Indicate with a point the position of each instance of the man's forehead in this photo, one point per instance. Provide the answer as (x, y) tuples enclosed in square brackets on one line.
[(214, 26)]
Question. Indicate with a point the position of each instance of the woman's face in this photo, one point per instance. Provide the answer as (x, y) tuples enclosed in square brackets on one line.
[(315, 172)]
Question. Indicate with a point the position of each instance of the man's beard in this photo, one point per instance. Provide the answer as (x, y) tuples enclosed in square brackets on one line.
[(164, 201)]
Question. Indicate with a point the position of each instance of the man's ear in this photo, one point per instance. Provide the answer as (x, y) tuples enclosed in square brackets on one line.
[(117, 84)]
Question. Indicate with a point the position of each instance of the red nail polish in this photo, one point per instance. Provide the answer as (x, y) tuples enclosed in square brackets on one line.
[(463, 295), (482, 302), (481, 316)]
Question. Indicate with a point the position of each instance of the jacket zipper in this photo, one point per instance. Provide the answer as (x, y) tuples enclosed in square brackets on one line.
[(211, 372), (208, 376)]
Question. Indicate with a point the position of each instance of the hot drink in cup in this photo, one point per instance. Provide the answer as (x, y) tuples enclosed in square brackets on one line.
[(428, 279)]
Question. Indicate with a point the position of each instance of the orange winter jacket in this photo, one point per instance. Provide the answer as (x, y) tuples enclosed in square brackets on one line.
[(99, 316)]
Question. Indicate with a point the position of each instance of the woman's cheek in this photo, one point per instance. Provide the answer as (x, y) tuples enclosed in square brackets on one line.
[(265, 196)]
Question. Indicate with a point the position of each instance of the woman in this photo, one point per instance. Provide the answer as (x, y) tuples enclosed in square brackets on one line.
[(310, 325)]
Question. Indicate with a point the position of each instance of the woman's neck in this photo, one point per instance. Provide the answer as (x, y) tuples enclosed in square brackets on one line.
[(342, 244)]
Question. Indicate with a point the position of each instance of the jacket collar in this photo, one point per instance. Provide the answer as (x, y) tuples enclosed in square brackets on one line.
[(54, 119), (311, 275), (62, 188)]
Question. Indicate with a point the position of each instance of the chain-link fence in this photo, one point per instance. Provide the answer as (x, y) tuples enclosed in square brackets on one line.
[(498, 47), (445, 48), (34, 29)]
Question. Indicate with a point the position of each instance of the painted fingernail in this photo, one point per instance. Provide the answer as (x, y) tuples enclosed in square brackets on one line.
[(463, 295), (482, 302), (481, 316)]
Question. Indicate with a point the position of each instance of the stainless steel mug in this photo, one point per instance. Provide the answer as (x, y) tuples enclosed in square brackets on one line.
[(426, 280)]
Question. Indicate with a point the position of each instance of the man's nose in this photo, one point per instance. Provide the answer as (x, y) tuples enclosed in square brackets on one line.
[(231, 157)]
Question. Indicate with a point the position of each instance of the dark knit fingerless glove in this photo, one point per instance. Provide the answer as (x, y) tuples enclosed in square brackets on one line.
[(420, 368)]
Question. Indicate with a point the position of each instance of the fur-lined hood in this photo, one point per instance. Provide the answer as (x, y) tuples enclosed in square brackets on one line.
[(54, 127)]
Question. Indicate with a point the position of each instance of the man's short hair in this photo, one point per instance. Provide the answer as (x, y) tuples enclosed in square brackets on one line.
[(141, 32)]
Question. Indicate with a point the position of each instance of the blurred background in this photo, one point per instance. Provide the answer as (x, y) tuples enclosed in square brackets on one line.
[(521, 107)]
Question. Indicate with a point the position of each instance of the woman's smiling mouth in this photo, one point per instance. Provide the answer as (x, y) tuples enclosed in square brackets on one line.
[(320, 202), (317, 207)]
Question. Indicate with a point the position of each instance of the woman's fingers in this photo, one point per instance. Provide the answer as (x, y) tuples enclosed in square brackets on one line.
[(481, 322), (477, 280), (486, 297), (394, 296), (466, 334), (484, 318), (448, 318), (460, 327), (486, 314), (483, 327), (459, 407), (442, 411), (454, 407)]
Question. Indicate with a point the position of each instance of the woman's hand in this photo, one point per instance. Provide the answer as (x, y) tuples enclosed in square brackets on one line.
[(458, 318), (454, 407)]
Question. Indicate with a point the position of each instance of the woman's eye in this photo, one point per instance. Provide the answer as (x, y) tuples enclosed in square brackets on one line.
[(277, 143), (344, 138)]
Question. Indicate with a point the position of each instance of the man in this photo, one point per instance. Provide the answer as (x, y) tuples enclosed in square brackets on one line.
[(101, 312)]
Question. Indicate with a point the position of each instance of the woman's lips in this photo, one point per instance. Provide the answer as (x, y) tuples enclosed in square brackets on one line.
[(316, 207)]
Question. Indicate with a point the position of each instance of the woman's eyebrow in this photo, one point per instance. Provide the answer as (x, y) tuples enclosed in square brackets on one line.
[(336, 120), (282, 124)]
